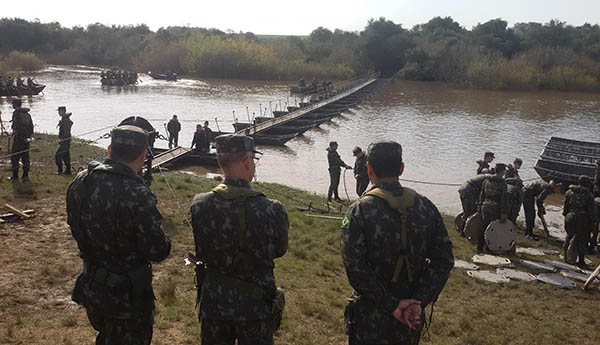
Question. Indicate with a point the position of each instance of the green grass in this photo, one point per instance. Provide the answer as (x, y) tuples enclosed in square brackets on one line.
[(41, 262)]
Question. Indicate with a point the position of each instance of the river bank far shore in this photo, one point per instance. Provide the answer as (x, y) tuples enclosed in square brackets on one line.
[(40, 264)]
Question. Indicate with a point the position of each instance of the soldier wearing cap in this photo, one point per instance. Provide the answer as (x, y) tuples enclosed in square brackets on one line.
[(488, 157), (534, 194), (581, 216), (22, 127), (63, 154), (173, 127), (238, 233), (512, 170), (360, 170), (335, 170), (396, 252), (493, 202), (118, 229), (469, 194)]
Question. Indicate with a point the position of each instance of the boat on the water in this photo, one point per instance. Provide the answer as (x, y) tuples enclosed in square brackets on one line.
[(191, 157), (14, 91), (564, 160), (164, 76)]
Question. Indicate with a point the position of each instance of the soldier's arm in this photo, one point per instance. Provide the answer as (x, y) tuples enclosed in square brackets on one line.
[(567, 204), (540, 199), (282, 225), (151, 240), (432, 279), (360, 274)]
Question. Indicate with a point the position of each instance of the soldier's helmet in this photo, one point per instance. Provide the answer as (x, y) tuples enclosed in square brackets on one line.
[(489, 154), (233, 143)]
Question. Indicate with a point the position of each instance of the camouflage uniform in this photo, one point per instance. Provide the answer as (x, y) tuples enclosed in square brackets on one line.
[(534, 193), (22, 127), (580, 215), (511, 172), (372, 247), (116, 224), (63, 154), (493, 204), (469, 195), (238, 232), (199, 140), (173, 127), (335, 170), (482, 165), (514, 195), (360, 174)]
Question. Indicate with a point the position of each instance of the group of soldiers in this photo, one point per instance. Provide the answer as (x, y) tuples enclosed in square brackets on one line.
[(11, 83), (499, 192), (395, 249), (335, 170), (119, 77), (202, 136), (22, 136)]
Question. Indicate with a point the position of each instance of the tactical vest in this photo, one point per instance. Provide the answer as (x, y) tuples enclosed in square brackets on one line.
[(403, 205)]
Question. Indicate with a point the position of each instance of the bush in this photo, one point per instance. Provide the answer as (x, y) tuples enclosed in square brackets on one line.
[(22, 61)]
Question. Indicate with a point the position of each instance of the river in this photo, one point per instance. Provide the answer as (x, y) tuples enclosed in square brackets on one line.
[(443, 129)]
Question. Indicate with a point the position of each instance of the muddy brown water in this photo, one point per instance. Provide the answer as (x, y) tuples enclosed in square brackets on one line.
[(443, 129)]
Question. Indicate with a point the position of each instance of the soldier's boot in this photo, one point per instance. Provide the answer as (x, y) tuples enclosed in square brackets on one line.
[(529, 234), (68, 170)]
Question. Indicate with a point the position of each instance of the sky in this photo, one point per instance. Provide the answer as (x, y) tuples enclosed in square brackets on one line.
[(283, 17)]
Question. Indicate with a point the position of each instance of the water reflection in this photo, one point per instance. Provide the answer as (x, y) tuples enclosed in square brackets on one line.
[(443, 129)]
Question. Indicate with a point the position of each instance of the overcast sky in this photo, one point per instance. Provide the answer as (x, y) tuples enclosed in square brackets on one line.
[(299, 17)]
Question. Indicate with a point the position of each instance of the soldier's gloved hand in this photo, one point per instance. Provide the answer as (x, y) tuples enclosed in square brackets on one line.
[(503, 218)]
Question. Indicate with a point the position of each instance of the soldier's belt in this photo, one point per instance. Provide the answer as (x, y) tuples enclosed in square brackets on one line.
[(103, 276), (248, 289)]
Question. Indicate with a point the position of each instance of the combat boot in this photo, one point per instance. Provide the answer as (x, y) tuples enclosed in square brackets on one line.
[(14, 177)]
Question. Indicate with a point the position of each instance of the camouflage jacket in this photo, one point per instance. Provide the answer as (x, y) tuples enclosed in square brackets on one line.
[(64, 127), (514, 193), (335, 161), (371, 242), (481, 165), (511, 172), (473, 185), (494, 191), (579, 200), (22, 125), (538, 190), (360, 168), (118, 229), (216, 224)]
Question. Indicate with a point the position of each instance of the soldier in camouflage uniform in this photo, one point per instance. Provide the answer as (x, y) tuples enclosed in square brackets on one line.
[(22, 127), (512, 170), (514, 194), (488, 157), (396, 252), (493, 202), (469, 195), (63, 154), (118, 229), (360, 171), (535, 193), (580, 216), (335, 166), (238, 232)]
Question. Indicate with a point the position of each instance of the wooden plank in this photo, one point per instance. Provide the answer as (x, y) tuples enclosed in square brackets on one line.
[(10, 214), (17, 211)]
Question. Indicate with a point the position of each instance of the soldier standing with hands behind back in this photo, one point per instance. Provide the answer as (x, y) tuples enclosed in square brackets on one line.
[(238, 232), (63, 154), (118, 229), (396, 252), (173, 127), (22, 127)]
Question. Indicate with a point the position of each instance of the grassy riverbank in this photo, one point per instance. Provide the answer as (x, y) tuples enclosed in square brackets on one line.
[(40, 264)]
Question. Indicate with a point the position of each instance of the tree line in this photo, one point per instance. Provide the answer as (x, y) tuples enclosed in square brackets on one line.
[(491, 55)]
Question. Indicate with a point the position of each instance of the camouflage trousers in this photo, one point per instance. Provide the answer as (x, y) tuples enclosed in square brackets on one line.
[(468, 201), (134, 331), (578, 229), (361, 186), (20, 152), (334, 182), (225, 332), (529, 208)]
